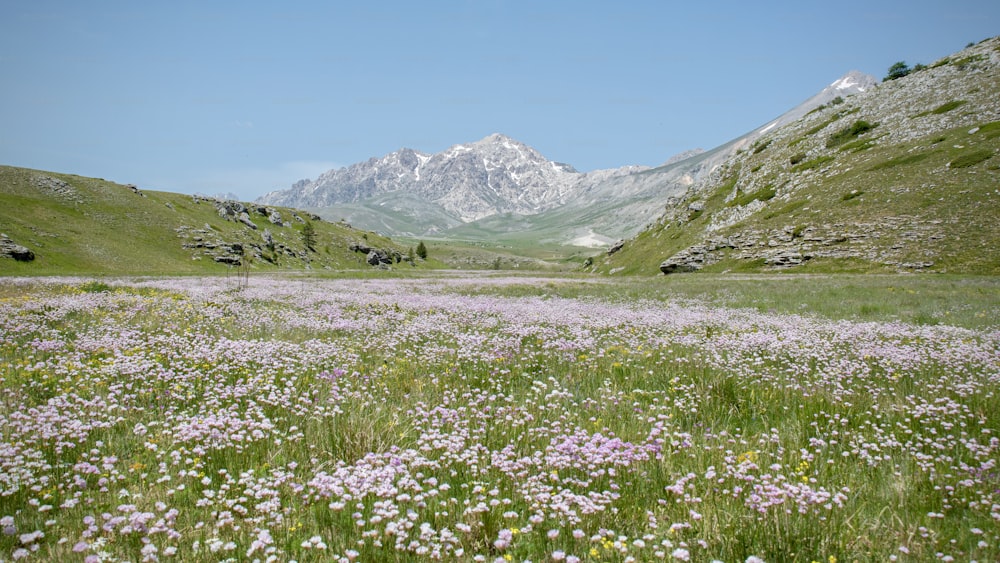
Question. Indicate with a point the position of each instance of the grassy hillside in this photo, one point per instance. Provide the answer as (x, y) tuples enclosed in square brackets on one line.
[(900, 178), (80, 225)]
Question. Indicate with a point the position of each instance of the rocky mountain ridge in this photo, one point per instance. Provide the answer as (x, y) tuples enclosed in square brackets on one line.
[(493, 175), (498, 176)]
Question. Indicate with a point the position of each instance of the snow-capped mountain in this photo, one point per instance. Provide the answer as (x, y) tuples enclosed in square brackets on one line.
[(494, 175), (503, 185)]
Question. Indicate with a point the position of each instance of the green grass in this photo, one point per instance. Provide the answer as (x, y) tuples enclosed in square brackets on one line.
[(906, 160), (763, 194), (100, 227), (971, 158), (813, 164), (859, 127), (943, 108)]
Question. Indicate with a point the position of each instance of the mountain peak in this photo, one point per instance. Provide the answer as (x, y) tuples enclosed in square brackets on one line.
[(469, 181), (854, 82)]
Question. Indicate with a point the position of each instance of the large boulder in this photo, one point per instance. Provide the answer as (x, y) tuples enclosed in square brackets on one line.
[(378, 256), (688, 260), (245, 219), (9, 249), (616, 247)]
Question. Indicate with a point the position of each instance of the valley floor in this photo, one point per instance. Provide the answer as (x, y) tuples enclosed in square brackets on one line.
[(498, 417)]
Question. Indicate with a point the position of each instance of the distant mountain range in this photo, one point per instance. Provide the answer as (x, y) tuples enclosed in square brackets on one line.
[(498, 188)]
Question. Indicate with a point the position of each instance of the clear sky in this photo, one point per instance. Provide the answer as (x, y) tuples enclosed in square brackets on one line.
[(249, 96)]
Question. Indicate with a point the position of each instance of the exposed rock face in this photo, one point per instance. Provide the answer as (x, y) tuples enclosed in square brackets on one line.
[(696, 257), (784, 258), (494, 175), (794, 245), (9, 249)]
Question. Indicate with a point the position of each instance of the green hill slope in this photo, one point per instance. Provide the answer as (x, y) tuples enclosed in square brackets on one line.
[(77, 225), (904, 177)]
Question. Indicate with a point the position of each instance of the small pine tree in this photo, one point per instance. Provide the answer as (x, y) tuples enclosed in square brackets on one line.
[(411, 256), (897, 70), (422, 250), (308, 235)]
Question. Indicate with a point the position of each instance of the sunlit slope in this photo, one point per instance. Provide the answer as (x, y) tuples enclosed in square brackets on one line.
[(74, 224), (902, 178)]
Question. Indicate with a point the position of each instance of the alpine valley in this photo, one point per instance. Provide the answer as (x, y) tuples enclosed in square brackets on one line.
[(865, 176), (499, 189)]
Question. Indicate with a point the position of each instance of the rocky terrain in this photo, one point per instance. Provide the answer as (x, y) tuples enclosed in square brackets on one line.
[(901, 177)]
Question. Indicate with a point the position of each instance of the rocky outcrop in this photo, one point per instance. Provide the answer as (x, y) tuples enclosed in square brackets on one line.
[(206, 244), (794, 245), (697, 256), (377, 257), (57, 188), (9, 249)]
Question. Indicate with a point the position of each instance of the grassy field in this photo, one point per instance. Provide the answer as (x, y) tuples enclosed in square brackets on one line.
[(495, 417)]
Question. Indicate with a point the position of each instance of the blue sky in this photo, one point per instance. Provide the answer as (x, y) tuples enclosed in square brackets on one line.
[(247, 97)]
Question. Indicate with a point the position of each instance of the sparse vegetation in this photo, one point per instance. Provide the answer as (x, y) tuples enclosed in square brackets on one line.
[(970, 61), (971, 158), (859, 127), (762, 194), (813, 163), (308, 235), (945, 107), (904, 160), (760, 146), (822, 126), (857, 145)]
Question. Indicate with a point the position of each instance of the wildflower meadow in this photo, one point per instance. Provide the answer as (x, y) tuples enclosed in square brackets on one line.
[(446, 418)]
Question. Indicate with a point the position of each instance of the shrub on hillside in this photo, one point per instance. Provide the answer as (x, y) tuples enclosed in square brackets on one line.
[(859, 127)]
